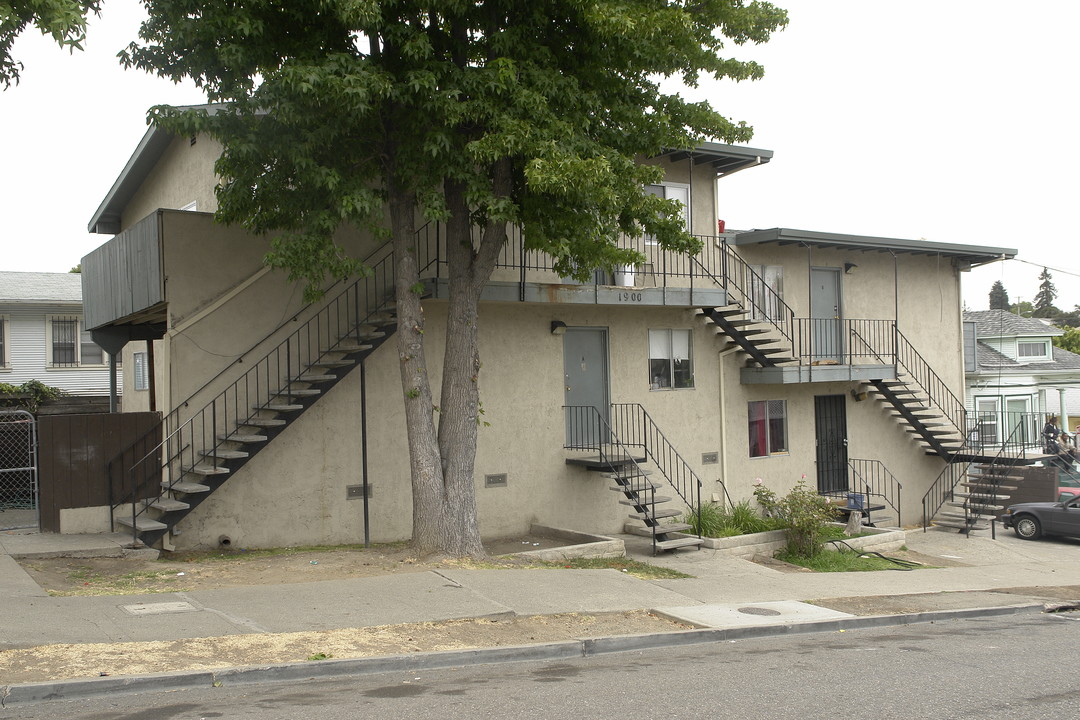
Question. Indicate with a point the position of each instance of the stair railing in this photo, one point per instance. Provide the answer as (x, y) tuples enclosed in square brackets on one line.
[(937, 392), (874, 480), (943, 488), (747, 288), (189, 450), (638, 429), (587, 429)]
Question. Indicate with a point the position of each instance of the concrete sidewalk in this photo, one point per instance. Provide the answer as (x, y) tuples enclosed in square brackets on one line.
[(725, 592)]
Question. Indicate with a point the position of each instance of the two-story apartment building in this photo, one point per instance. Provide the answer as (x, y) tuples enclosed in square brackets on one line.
[(775, 354)]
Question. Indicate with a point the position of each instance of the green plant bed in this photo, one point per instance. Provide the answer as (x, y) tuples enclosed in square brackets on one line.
[(716, 521)]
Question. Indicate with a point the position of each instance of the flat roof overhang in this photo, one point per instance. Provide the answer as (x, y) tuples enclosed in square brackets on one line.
[(968, 256), (724, 159)]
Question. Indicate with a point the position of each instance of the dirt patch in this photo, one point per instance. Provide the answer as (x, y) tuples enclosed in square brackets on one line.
[(240, 568), (56, 662)]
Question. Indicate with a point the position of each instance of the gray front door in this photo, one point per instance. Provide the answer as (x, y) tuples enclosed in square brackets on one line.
[(585, 369), (825, 314)]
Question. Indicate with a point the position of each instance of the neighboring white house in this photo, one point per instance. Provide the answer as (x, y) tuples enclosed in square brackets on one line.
[(42, 336), (1015, 376)]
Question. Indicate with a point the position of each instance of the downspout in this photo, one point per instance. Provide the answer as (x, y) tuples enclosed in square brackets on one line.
[(364, 450), (721, 356), (112, 383)]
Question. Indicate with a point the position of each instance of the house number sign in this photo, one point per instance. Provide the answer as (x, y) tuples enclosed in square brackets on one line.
[(629, 297)]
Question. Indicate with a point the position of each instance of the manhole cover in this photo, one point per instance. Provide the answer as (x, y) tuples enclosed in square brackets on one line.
[(162, 608), (758, 611)]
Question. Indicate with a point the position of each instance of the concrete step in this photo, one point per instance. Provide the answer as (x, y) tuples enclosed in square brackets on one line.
[(944, 522), (628, 473), (348, 346), (222, 454), (331, 364), (315, 378), (240, 437), (637, 487), (298, 392), (165, 504), (278, 407), (954, 516), (658, 515), (188, 488), (141, 523), (206, 470), (643, 501), (984, 485), (976, 506), (263, 422), (675, 543)]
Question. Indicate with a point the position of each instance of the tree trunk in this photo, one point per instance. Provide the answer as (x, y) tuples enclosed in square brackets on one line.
[(430, 522)]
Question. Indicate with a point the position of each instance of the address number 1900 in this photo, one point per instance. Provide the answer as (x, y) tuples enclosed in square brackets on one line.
[(629, 297)]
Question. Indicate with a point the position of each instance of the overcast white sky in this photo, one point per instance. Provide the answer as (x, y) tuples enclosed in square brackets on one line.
[(949, 120)]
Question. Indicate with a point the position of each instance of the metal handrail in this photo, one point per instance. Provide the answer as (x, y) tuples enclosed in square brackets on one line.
[(638, 429), (937, 391), (190, 450), (875, 480), (588, 430), (943, 488)]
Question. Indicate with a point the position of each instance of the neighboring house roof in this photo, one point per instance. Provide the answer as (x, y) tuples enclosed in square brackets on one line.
[(724, 159), (1002, 323), (38, 288), (972, 255), (990, 360)]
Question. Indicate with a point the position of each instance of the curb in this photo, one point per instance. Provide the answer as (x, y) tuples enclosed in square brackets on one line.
[(566, 650)]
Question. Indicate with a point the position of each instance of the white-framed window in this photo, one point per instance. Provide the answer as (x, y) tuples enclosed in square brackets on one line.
[(5, 360), (1032, 349), (69, 344), (672, 191), (767, 427), (142, 370), (671, 364)]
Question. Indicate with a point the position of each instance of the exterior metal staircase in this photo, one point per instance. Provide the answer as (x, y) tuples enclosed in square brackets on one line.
[(154, 486), (629, 457)]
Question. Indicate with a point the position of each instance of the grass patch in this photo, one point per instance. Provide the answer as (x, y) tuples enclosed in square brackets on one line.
[(92, 583), (642, 570), (828, 561)]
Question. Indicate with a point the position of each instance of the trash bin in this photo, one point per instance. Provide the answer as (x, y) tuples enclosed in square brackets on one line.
[(856, 501)]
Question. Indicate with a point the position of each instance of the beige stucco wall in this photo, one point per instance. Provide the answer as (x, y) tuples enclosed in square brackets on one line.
[(184, 174)]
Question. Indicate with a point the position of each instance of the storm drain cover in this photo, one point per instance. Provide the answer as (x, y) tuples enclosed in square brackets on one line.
[(162, 608), (758, 611)]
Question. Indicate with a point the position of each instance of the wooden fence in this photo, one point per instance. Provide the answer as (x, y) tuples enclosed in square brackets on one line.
[(73, 452)]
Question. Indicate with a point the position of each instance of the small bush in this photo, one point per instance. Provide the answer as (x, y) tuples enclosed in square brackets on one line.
[(806, 513)]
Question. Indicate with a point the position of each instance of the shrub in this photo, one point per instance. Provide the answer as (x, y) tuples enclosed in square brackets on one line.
[(29, 395), (806, 513)]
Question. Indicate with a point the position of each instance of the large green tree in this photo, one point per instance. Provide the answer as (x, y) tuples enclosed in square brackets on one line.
[(999, 296), (1044, 299), (476, 114), (64, 20)]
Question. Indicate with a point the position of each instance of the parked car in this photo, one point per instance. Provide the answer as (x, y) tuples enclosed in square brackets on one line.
[(1033, 520), (1068, 483)]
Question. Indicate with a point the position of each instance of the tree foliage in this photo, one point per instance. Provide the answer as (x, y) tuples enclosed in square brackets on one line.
[(1069, 341), (1044, 299), (999, 296), (64, 20), (383, 114)]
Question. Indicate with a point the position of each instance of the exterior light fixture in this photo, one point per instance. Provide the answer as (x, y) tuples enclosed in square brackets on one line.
[(558, 327), (849, 268)]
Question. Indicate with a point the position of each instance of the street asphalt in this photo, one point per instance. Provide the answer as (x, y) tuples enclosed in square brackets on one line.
[(726, 598)]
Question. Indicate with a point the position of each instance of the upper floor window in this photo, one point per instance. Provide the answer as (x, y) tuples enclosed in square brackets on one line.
[(672, 191), (70, 345), (1032, 349), (670, 359)]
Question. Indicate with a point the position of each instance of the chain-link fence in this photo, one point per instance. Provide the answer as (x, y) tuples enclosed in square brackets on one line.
[(18, 470)]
